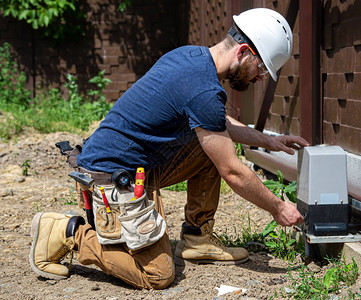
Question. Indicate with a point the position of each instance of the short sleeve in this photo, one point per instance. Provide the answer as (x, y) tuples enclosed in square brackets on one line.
[(207, 111)]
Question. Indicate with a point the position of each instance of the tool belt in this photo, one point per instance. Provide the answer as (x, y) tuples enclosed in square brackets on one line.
[(134, 222)]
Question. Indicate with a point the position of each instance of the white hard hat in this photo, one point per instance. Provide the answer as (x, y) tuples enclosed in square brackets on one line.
[(271, 35)]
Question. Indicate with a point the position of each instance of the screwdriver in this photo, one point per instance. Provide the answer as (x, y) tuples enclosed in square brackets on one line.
[(139, 183), (101, 189)]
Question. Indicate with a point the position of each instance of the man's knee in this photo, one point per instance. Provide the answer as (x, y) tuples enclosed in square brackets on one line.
[(164, 281), (164, 275)]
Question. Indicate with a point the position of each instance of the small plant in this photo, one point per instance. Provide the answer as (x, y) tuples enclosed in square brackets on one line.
[(282, 245), (37, 206), (123, 5), (12, 81), (282, 189), (48, 111), (308, 285), (352, 296), (26, 166), (98, 107), (249, 237)]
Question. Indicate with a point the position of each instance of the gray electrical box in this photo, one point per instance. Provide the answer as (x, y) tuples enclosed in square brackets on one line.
[(322, 176), (322, 196)]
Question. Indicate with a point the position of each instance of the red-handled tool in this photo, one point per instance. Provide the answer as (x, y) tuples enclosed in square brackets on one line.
[(139, 184), (101, 189), (88, 209)]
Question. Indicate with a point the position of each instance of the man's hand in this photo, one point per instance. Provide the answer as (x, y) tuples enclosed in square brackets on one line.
[(243, 134), (287, 215), (286, 143)]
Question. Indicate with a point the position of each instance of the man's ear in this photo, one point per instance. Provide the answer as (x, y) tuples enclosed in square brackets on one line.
[(242, 49)]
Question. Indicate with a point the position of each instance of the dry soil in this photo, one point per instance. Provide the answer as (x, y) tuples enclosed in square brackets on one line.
[(48, 188)]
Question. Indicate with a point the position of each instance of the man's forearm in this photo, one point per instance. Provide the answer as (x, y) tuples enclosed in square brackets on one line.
[(247, 185), (243, 134)]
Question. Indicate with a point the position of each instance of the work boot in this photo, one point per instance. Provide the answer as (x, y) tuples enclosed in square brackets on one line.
[(53, 235), (200, 245)]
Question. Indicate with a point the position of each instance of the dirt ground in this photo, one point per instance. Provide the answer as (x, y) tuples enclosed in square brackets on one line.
[(47, 188)]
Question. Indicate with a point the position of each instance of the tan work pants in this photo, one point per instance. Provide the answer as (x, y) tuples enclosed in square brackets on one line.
[(153, 267)]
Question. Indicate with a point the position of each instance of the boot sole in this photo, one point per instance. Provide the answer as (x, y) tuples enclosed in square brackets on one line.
[(34, 232), (188, 262)]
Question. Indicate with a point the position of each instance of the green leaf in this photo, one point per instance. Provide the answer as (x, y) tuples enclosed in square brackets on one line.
[(271, 184), (329, 278), (290, 242), (292, 187), (46, 20), (273, 235), (280, 176), (34, 23), (269, 228), (23, 14), (270, 244), (14, 12), (282, 235), (122, 7), (71, 5)]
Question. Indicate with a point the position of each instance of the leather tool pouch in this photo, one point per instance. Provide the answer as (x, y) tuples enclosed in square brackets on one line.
[(134, 222)]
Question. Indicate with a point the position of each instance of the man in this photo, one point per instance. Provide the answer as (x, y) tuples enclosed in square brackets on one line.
[(172, 122)]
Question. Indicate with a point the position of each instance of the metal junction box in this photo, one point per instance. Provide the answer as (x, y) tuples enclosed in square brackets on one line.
[(322, 196)]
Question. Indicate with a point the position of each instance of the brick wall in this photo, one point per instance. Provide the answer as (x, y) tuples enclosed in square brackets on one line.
[(341, 74), (341, 77), (284, 115), (209, 22), (125, 45)]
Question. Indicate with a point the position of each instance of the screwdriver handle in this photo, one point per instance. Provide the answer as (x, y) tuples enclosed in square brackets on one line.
[(107, 207)]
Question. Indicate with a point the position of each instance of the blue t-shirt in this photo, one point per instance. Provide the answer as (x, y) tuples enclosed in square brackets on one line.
[(156, 117)]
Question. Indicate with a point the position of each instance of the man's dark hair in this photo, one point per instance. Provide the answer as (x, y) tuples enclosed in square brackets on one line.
[(230, 41)]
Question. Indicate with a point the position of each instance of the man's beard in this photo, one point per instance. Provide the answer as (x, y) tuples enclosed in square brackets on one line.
[(238, 79)]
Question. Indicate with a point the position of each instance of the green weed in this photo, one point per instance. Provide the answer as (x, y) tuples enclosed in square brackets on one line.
[(12, 81), (37, 206), (307, 284), (48, 111), (352, 296), (283, 245), (249, 237), (282, 189), (26, 166), (123, 5), (10, 127)]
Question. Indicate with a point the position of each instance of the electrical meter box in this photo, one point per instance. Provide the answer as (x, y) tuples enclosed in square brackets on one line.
[(322, 197)]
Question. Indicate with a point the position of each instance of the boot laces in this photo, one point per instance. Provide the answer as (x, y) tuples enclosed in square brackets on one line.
[(65, 252), (214, 238)]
